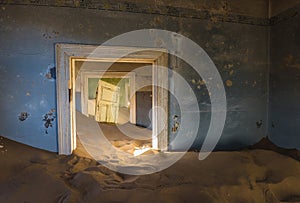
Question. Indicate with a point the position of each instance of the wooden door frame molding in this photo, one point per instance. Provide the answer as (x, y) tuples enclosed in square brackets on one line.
[(67, 54)]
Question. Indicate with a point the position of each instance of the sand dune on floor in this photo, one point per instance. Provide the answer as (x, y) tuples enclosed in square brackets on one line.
[(256, 175)]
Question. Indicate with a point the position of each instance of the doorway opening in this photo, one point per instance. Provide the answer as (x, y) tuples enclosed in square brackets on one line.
[(114, 100), (107, 96)]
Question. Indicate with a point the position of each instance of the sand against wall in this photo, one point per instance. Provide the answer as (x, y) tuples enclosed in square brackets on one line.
[(32, 175)]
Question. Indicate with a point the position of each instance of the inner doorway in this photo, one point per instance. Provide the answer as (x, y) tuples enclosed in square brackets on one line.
[(68, 54), (119, 99)]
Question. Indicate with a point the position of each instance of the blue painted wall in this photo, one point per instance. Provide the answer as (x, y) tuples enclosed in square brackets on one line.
[(285, 80), (240, 53), (28, 35)]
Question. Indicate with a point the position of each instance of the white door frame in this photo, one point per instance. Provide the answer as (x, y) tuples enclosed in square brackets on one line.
[(66, 55), (86, 74)]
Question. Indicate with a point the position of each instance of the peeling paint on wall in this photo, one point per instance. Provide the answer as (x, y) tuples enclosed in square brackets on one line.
[(198, 83), (51, 73), (23, 116), (50, 35), (228, 83), (259, 123), (176, 124), (272, 125), (49, 119)]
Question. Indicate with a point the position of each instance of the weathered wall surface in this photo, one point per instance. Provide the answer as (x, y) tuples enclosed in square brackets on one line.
[(285, 82), (237, 45), (255, 8), (279, 6), (239, 52)]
